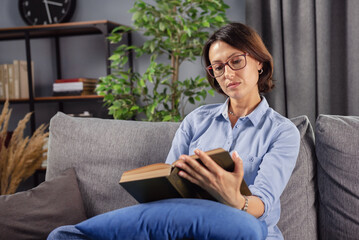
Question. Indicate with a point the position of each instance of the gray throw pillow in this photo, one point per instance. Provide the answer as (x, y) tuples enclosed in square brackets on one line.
[(33, 214), (298, 218), (337, 139)]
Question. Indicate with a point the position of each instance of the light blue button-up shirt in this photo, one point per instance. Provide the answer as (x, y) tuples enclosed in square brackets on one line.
[(267, 142)]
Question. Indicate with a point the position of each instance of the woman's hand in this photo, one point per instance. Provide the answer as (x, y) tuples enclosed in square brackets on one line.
[(221, 184)]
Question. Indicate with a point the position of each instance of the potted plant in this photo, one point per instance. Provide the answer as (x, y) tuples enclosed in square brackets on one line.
[(177, 29)]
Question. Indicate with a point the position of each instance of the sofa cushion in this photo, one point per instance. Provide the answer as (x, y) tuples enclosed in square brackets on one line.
[(175, 219), (298, 218), (33, 214), (337, 139), (101, 150)]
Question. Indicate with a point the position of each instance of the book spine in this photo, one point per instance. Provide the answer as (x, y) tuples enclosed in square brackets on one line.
[(6, 81), (68, 80), (16, 64), (87, 80), (10, 73), (75, 86), (24, 84), (2, 86)]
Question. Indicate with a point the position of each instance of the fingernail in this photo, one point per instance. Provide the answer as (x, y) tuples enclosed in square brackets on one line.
[(196, 151), (236, 154)]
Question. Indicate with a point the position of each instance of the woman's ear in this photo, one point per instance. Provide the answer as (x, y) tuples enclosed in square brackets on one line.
[(259, 65)]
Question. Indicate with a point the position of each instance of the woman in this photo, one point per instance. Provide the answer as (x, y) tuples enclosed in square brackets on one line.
[(263, 143)]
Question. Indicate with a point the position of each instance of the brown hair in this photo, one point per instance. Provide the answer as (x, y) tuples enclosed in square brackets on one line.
[(247, 40)]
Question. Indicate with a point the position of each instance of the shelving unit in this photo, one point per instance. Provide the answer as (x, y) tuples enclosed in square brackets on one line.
[(56, 31)]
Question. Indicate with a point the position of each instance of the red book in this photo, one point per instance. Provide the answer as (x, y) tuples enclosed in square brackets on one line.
[(93, 80)]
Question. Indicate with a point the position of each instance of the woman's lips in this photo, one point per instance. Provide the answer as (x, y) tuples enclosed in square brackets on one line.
[(233, 84)]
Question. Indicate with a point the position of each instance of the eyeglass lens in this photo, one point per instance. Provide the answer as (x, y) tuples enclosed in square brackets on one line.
[(235, 63)]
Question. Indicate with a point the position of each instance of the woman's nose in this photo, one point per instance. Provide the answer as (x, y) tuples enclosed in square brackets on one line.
[(228, 72)]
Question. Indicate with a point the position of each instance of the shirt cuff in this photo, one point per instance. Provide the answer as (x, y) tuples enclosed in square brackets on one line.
[(257, 193)]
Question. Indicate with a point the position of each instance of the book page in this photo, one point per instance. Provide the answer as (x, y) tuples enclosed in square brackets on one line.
[(149, 171)]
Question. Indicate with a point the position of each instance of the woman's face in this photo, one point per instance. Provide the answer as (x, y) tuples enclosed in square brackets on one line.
[(237, 84)]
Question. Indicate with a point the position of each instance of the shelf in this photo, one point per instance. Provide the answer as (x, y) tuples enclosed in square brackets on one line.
[(55, 32), (70, 98), (55, 99), (60, 29)]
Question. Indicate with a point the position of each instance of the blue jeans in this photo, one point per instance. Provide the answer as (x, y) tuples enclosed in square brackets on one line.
[(168, 219), (67, 232)]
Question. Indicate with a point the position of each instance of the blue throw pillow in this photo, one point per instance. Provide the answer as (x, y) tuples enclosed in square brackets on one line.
[(175, 219)]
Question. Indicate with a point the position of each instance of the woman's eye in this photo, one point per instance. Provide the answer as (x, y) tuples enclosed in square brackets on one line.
[(236, 61), (218, 68)]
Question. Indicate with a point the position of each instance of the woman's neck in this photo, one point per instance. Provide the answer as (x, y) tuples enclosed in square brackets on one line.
[(240, 108)]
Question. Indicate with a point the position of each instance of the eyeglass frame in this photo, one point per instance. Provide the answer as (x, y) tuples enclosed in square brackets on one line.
[(227, 63)]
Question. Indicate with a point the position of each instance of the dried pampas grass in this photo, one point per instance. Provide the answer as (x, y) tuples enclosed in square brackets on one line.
[(20, 157)]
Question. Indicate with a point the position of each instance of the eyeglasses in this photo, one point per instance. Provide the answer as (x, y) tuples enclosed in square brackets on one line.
[(236, 62)]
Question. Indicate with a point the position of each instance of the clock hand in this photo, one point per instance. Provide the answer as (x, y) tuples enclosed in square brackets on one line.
[(47, 10), (55, 3)]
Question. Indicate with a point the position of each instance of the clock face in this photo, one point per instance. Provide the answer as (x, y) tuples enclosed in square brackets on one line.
[(38, 12)]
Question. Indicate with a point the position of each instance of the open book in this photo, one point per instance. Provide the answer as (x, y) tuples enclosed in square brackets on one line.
[(161, 180)]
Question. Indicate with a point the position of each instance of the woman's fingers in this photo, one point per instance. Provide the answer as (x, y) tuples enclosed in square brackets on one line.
[(238, 163), (189, 164), (207, 160)]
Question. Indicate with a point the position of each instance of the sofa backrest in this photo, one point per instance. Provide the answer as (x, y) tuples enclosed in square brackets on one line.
[(101, 149), (337, 148)]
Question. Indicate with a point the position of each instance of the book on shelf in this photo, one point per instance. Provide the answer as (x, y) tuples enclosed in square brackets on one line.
[(16, 67), (5, 80), (161, 181), (14, 80), (10, 79), (84, 80), (64, 87), (24, 80), (86, 86), (2, 82)]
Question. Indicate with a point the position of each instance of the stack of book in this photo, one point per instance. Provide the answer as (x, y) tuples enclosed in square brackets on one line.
[(74, 86), (14, 80)]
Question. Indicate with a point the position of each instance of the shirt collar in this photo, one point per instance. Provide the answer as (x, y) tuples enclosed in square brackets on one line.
[(254, 116)]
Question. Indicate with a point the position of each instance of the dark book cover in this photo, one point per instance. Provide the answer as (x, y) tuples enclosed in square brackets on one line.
[(161, 181)]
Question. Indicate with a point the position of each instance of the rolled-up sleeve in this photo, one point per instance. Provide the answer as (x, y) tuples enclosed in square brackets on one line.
[(277, 166)]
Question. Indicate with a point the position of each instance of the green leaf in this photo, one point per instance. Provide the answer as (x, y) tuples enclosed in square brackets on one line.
[(218, 18), (167, 118), (206, 24), (191, 100), (162, 26), (134, 108)]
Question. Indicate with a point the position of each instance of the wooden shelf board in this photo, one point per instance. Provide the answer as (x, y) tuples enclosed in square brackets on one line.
[(59, 29), (56, 98)]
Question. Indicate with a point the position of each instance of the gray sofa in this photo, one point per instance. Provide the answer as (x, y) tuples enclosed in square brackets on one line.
[(321, 200)]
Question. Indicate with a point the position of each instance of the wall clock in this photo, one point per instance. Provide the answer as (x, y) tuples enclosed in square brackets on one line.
[(38, 12)]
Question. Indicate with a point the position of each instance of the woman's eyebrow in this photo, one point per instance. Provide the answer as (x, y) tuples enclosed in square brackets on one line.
[(218, 61)]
